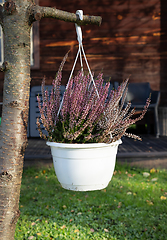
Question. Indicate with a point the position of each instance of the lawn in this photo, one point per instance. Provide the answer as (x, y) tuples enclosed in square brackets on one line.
[(133, 206)]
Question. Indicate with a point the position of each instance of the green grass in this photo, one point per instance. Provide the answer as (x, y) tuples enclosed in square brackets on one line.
[(131, 207)]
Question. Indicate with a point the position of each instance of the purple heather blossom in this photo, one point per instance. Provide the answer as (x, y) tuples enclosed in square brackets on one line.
[(85, 115)]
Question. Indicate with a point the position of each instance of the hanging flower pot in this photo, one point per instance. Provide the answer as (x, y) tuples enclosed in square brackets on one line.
[(84, 130), (85, 127), (84, 167)]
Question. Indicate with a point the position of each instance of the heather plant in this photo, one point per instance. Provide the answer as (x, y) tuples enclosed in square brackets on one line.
[(88, 113)]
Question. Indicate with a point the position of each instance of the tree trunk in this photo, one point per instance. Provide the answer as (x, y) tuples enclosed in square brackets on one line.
[(14, 115), (16, 18)]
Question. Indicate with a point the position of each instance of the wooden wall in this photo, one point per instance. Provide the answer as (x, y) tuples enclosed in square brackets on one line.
[(126, 44), (130, 42), (163, 53)]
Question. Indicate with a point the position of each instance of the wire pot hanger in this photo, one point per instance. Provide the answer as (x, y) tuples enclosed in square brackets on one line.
[(79, 14)]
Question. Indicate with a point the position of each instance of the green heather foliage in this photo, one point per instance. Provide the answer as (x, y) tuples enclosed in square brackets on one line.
[(133, 206), (85, 115)]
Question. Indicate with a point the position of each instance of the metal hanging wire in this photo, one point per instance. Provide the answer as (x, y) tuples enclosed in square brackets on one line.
[(79, 13)]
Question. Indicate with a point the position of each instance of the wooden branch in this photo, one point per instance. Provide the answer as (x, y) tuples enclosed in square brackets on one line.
[(38, 12)]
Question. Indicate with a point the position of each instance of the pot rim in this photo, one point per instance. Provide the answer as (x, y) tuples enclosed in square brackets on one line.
[(82, 145)]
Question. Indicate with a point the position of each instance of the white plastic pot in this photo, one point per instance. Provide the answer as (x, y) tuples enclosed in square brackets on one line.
[(84, 167)]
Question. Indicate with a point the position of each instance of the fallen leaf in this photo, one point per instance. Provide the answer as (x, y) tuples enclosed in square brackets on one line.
[(103, 190), (149, 202), (36, 177), (64, 206), (71, 220), (152, 170), (106, 230), (77, 230), (129, 193), (163, 198), (63, 227), (154, 179), (31, 237), (92, 230), (146, 174), (33, 223), (39, 234), (119, 204), (79, 213)]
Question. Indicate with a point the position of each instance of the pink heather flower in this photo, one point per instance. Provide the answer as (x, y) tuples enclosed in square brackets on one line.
[(86, 116)]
